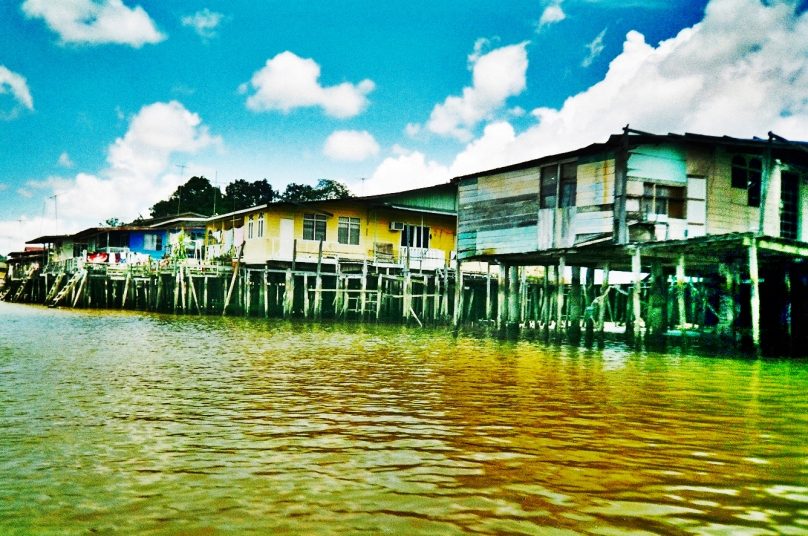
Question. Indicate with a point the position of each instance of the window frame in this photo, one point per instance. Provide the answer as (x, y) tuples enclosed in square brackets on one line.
[(349, 230), (318, 227), (746, 173)]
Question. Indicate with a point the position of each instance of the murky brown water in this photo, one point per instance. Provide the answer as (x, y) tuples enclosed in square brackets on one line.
[(135, 423)]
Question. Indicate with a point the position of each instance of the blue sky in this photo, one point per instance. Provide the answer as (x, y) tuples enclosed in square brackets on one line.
[(110, 104)]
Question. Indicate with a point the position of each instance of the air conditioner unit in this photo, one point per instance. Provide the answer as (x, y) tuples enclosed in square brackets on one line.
[(396, 225)]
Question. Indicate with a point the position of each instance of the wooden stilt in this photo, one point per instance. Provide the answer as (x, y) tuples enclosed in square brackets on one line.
[(657, 305), (305, 295), (379, 294), (513, 295), (125, 290), (194, 297), (364, 288), (436, 301), (407, 299), (754, 297), (681, 287), (458, 309), (725, 330), (265, 288), (591, 306), (636, 268), (502, 299), (488, 304), (288, 294), (559, 326), (574, 324), (602, 304)]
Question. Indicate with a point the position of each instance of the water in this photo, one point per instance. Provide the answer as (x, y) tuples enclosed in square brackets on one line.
[(120, 422)]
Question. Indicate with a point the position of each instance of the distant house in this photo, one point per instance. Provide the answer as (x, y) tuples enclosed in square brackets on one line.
[(635, 187), (153, 238), (415, 227)]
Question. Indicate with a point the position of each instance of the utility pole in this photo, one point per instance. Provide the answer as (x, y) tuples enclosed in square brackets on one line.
[(55, 198), (179, 192)]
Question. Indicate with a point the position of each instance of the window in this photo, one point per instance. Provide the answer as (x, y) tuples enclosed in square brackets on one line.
[(667, 200), (555, 193), (314, 227), (746, 174), (549, 186), (348, 231), (567, 189), (250, 228), (415, 236), (153, 242), (260, 226)]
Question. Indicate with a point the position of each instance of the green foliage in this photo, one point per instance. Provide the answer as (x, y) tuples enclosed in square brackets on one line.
[(324, 190), (241, 194), (196, 195), (199, 195), (111, 222)]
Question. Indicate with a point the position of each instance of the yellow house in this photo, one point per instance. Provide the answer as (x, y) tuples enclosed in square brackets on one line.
[(414, 228)]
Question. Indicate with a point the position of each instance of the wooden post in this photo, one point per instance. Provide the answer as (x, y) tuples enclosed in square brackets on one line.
[(604, 301), (488, 304), (424, 288), (159, 291), (754, 297), (502, 303), (546, 307), (445, 297), (591, 305), (636, 268), (559, 327), (407, 299), (288, 293), (379, 294), (126, 290), (247, 292), (181, 278), (265, 279), (436, 301), (523, 299), (364, 288), (574, 324), (305, 295), (204, 293), (513, 294), (193, 292), (726, 304), (657, 305), (318, 283), (458, 309), (681, 286)]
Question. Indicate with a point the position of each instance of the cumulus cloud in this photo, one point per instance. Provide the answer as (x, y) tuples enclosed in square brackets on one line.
[(288, 81), (497, 75), (138, 174), (350, 145), (595, 49), (65, 161), (741, 71), (17, 85), (552, 14), (404, 171), (95, 21), (203, 22)]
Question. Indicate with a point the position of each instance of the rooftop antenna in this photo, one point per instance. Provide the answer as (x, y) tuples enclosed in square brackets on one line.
[(55, 198), (179, 193)]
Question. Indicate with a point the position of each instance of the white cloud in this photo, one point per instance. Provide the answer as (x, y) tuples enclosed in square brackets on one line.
[(65, 161), (95, 21), (139, 172), (552, 14), (741, 71), (404, 171), (203, 22), (595, 48), (288, 81), (497, 75), (18, 86), (412, 130), (350, 145)]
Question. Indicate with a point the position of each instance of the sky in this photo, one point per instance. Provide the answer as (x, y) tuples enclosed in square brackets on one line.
[(106, 106)]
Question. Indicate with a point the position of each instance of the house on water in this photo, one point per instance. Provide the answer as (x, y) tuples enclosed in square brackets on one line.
[(415, 229), (730, 212)]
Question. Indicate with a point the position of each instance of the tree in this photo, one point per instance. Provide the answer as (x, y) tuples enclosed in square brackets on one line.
[(241, 194), (196, 195), (324, 190), (111, 222)]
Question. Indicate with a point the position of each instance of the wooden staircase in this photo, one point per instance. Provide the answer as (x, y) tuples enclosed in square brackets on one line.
[(55, 287), (78, 277)]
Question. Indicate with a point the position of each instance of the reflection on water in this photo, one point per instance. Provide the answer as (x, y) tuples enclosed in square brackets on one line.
[(129, 422)]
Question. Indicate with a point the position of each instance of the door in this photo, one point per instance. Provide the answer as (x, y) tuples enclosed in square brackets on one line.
[(789, 205), (287, 239)]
